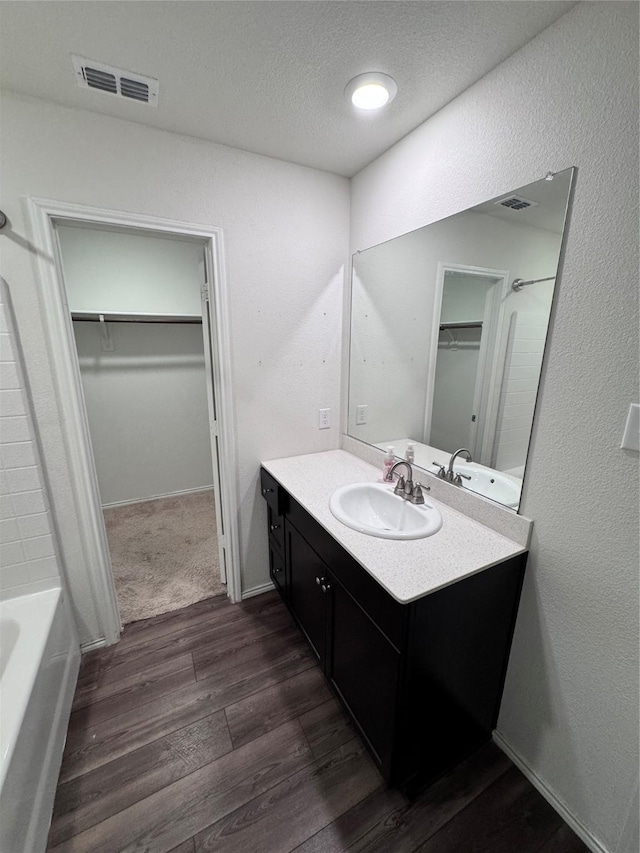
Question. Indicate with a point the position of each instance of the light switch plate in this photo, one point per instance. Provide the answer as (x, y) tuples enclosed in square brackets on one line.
[(361, 415), (631, 437)]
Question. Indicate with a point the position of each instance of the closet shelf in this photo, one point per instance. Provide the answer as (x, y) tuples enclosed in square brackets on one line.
[(115, 317)]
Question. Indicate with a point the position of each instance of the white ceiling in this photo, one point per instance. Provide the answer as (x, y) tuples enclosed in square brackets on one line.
[(269, 77)]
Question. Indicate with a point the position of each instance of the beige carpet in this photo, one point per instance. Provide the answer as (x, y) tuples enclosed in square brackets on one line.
[(164, 554)]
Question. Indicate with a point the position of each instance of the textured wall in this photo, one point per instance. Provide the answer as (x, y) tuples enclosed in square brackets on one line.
[(286, 241), (570, 97), (29, 558)]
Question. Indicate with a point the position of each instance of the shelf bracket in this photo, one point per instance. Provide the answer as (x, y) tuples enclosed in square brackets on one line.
[(106, 341)]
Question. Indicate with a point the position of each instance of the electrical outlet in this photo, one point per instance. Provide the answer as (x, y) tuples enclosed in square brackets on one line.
[(361, 415), (324, 418)]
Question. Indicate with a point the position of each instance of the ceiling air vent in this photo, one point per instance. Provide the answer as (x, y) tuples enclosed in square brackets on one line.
[(115, 81), (516, 202)]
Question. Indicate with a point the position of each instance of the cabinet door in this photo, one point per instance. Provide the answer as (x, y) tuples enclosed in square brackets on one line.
[(364, 668), (307, 590), (277, 572)]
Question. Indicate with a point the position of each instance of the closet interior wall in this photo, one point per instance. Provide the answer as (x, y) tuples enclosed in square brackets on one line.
[(144, 383)]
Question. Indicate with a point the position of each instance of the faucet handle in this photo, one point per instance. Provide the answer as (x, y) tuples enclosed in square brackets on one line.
[(440, 472), (400, 486), (457, 480), (416, 495)]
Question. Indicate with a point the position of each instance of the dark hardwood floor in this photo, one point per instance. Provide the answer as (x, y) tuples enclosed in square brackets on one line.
[(212, 729)]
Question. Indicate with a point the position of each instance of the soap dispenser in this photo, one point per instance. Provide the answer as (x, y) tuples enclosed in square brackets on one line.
[(410, 452), (389, 460)]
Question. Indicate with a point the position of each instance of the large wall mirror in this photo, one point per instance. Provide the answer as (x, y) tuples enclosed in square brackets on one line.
[(448, 328)]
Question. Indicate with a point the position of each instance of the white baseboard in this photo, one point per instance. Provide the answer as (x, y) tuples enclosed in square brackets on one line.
[(550, 796), (257, 590), (159, 497)]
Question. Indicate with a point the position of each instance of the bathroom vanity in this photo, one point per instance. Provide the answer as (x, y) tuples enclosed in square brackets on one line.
[(413, 636)]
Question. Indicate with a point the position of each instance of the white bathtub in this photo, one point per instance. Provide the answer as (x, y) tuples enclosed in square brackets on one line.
[(39, 660)]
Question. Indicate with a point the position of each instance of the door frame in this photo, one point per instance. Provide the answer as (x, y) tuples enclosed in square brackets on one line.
[(70, 397), (489, 376)]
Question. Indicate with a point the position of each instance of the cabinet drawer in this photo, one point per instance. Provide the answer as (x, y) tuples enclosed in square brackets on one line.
[(276, 529), (271, 491)]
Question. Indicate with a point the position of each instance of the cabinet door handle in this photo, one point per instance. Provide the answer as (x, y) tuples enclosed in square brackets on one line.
[(273, 527), (326, 587), (266, 491), (320, 580), (278, 570)]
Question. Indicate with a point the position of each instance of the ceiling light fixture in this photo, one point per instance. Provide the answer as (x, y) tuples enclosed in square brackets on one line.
[(371, 91)]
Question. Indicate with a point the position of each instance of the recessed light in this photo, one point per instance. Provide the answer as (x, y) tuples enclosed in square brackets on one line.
[(371, 91)]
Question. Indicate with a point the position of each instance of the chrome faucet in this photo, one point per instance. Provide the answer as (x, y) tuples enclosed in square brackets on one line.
[(452, 477), (449, 474), (407, 489)]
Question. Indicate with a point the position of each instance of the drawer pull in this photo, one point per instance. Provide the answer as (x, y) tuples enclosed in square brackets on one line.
[(326, 587), (266, 491), (273, 527), (278, 570), (320, 581)]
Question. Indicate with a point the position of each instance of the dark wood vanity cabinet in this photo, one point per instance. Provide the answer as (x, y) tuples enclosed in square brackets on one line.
[(272, 493), (422, 682)]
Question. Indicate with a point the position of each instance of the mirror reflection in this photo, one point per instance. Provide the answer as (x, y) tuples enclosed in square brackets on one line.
[(448, 328)]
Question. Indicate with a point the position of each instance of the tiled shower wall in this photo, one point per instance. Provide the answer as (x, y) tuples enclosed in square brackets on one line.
[(520, 384), (29, 560)]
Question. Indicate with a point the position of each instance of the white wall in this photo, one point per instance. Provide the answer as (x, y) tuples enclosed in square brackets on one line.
[(392, 307), (286, 241), (464, 297), (147, 399), (108, 269), (570, 97), (29, 556), (147, 408)]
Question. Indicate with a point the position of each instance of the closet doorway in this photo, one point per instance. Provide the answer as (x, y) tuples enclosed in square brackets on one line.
[(125, 388), (466, 362), (137, 301)]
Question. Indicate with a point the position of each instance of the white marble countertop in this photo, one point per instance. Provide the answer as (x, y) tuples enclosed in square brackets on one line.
[(408, 569)]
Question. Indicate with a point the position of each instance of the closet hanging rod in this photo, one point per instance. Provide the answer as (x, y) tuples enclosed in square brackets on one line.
[(477, 324), (115, 317)]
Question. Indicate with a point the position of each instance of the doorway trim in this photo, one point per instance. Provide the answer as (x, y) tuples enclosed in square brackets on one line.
[(70, 397), (489, 373)]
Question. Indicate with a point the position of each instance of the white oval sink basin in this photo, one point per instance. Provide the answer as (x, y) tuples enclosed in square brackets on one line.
[(491, 484), (373, 508)]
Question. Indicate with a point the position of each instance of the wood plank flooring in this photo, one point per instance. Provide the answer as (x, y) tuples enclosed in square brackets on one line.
[(212, 729)]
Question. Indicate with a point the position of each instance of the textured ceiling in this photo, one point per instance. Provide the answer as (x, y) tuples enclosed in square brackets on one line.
[(269, 77)]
